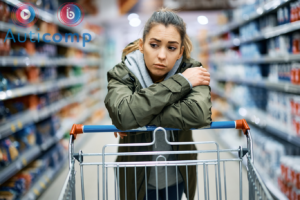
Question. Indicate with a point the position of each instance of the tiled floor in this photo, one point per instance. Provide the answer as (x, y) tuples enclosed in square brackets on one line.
[(94, 144)]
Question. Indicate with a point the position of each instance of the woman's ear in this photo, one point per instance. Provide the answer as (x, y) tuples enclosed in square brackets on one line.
[(141, 45), (181, 52)]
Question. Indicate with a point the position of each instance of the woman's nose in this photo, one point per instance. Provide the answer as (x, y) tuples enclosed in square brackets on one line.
[(162, 54)]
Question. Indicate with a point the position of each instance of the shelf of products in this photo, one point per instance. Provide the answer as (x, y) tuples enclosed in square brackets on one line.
[(254, 64), (279, 86), (43, 62), (269, 154), (261, 59), (22, 161), (43, 87), (231, 140), (27, 117), (258, 118), (36, 176), (263, 35), (257, 10), (35, 151), (42, 183), (272, 138)]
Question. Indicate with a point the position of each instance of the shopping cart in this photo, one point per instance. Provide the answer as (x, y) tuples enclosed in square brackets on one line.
[(257, 189)]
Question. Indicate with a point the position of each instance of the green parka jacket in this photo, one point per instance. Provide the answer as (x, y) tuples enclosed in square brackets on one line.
[(170, 103)]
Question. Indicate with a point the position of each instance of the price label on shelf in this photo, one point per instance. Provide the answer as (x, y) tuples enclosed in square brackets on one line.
[(42, 185), (43, 62), (15, 62), (43, 87), (13, 29), (36, 192), (20, 125), (24, 161), (12, 127), (17, 93)]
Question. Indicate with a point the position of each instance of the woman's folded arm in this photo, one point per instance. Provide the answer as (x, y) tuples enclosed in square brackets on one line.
[(193, 111), (132, 110)]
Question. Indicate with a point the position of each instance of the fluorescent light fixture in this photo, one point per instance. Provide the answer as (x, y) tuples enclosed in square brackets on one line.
[(9, 93), (2, 95), (132, 16), (243, 112), (202, 20), (260, 10), (135, 22)]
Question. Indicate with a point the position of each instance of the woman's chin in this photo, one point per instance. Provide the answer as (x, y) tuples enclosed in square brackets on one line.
[(159, 72)]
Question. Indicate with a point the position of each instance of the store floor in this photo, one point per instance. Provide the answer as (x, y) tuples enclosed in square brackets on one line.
[(94, 142)]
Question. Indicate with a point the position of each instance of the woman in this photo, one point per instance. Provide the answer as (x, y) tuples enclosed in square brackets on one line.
[(157, 83)]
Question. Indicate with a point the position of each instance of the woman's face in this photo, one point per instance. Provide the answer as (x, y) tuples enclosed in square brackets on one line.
[(161, 49)]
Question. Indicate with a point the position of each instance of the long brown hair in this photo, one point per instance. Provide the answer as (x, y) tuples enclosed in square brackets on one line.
[(166, 17)]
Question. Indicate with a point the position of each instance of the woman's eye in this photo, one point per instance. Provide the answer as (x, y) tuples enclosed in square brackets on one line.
[(153, 45), (172, 48)]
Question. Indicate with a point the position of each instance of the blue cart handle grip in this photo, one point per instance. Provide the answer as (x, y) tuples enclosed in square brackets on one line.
[(79, 128)]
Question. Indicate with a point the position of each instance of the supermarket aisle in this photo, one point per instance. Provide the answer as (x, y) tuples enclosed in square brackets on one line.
[(94, 143), (90, 143)]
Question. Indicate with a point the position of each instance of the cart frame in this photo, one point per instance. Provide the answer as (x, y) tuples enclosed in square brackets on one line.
[(257, 189)]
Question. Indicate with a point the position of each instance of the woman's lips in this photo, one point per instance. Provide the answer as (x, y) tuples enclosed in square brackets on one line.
[(159, 66)]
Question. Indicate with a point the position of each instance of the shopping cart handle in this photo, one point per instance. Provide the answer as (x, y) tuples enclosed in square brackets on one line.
[(79, 128)]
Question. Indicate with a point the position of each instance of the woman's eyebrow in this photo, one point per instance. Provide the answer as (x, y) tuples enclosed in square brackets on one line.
[(160, 40), (173, 42)]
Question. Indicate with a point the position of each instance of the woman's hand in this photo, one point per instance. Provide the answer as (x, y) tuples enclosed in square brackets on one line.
[(197, 76), (122, 134)]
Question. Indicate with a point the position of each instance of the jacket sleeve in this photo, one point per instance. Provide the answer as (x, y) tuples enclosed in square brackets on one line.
[(193, 111), (130, 110)]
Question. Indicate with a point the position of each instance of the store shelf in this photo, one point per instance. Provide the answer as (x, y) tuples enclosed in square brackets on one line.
[(44, 181), (9, 61), (18, 121), (231, 142), (279, 86), (40, 185), (261, 60), (261, 10), (22, 161), (38, 37), (43, 87), (274, 190), (259, 119), (69, 122), (233, 116), (49, 175), (271, 32), (36, 151)]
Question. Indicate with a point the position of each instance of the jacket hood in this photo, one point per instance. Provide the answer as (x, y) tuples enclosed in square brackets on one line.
[(136, 64)]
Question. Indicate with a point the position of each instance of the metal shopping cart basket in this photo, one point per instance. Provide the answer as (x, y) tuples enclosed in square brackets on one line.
[(257, 189)]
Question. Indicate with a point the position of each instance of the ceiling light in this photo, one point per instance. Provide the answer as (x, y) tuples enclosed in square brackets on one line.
[(202, 20), (135, 22), (132, 16)]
